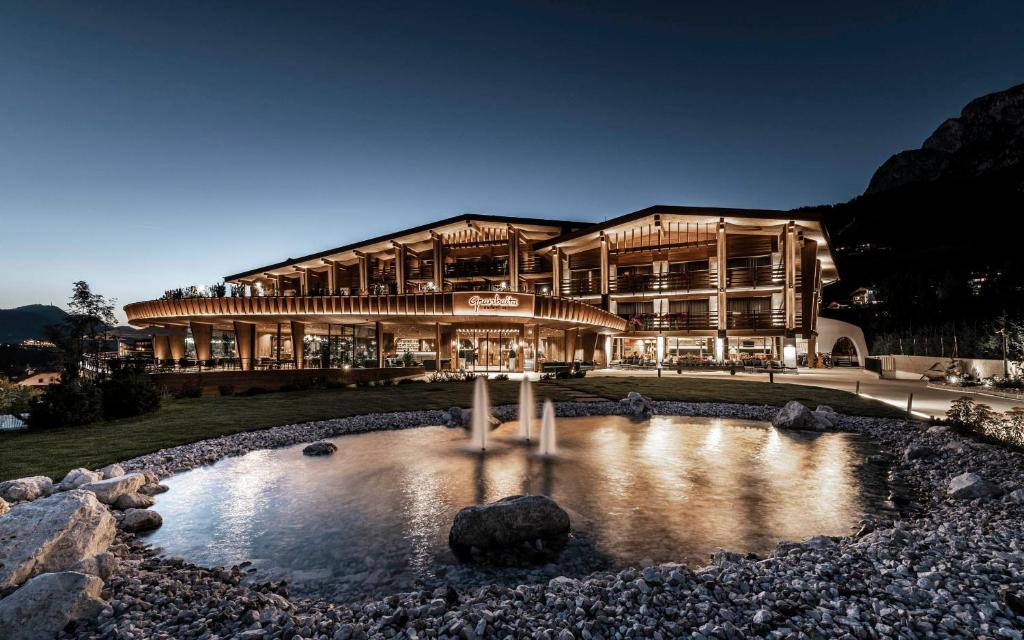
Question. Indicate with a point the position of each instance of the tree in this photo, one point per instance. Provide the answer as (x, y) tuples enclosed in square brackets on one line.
[(89, 315)]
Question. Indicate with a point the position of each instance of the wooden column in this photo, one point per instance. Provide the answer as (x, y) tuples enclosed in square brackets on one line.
[(812, 350), (723, 302), (298, 344), (177, 342), (808, 284), (380, 344), (556, 272), (437, 243), (536, 348), (161, 347), (332, 276), (202, 336), (438, 349), (605, 280), (789, 257), (245, 341), (303, 280), (569, 337), (400, 253), (364, 272), (513, 258)]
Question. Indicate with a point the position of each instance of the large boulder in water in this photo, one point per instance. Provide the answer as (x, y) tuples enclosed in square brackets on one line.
[(48, 603), (52, 534), (512, 530), (322, 448), (637, 406), (796, 416), (109, 490)]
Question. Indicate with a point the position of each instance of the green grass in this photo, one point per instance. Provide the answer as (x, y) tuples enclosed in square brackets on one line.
[(54, 452)]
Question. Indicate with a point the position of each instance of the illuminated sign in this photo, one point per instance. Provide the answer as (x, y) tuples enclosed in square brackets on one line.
[(497, 303)]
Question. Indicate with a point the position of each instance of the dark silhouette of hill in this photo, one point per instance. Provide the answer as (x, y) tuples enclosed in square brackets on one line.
[(27, 322)]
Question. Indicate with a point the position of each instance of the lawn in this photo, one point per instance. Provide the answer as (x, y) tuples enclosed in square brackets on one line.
[(54, 452)]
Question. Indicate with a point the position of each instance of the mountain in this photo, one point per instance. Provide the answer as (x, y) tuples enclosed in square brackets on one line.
[(22, 323), (986, 140), (937, 234)]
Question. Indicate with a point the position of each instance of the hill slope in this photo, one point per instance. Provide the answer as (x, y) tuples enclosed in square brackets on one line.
[(22, 323)]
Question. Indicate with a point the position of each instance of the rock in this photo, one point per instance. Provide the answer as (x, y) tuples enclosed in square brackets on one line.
[(796, 416), (916, 451), (637, 406), (456, 417), (139, 520), (938, 430), (77, 477), (151, 489), (320, 449), (102, 565), (4, 507), (52, 534), (511, 529), (108, 491), (49, 602), (134, 501), (968, 486), (1016, 496), (112, 471), (824, 408), (31, 488), (830, 418)]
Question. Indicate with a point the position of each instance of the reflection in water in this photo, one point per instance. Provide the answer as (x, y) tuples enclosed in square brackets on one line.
[(374, 517)]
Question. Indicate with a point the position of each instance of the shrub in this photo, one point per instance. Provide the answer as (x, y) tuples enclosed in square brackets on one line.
[(501, 376), (189, 389), (14, 398), (65, 405), (129, 394)]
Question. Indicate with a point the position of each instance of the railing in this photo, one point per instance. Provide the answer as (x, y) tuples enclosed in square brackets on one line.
[(475, 269), (671, 321), (422, 272), (581, 287), (661, 282), (770, 319), (756, 276), (533, 265)]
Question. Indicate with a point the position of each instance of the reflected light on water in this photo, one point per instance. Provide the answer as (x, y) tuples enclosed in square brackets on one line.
[(374, 518)]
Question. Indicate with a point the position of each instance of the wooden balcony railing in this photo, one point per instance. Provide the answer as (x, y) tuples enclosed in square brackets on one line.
[(466, 269), (661, 282), (756, 320), (755, 276), (671, 321)]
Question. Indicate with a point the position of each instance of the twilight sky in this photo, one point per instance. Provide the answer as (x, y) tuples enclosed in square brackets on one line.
[(148, 145)]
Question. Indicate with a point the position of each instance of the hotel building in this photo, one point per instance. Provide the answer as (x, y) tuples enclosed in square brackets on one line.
[(664, 286)]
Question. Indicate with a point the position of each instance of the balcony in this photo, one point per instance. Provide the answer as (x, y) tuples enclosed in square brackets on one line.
[(755, 276), (420, 272), (671, 321), (661, 282), (756, 320), (529, 264), (474, 269), (581, 287)]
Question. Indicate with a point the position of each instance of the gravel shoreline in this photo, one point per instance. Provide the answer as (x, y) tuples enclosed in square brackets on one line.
[(946, 568)]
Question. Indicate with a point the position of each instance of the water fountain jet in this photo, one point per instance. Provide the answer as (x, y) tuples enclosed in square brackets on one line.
[(527, 409), (480, 420), (547, 430)]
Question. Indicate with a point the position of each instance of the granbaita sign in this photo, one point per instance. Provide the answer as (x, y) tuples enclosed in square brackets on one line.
[(494, 303)]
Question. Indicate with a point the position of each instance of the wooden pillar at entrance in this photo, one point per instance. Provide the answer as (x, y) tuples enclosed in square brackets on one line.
[(380, 343), (400, 254), (812, 350), (202, 336), (437, 244), (298, 344), (332, 276), (569, 337), (245, 343), (161, 347), (723, 276), (605, 269), (536, 347), (438, 350), (177, 341), (364, 272)]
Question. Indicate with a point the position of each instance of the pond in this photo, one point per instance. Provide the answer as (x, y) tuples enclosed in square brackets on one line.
[(373, 519)]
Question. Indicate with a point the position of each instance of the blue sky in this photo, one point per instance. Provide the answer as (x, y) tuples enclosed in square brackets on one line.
[(145, 146)]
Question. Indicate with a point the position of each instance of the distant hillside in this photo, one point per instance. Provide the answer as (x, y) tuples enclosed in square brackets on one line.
[(937, 234), (22, 323)]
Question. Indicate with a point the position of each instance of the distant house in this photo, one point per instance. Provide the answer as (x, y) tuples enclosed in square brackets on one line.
[(863, 296), (39, 379)]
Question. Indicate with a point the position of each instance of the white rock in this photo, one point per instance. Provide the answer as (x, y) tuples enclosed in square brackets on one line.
[(138, 520), (77, 477), (52, 534), (108, 491), (4, 507), (112, 471), (47, 603), (970, 485), (1016, 496), (31, 488), (153, 489), (938, 430)]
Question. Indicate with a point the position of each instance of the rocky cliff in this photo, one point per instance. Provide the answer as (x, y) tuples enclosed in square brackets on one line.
[(986, 140)]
